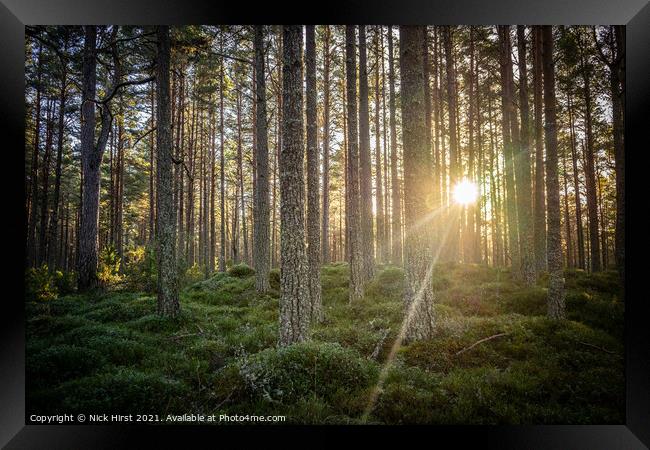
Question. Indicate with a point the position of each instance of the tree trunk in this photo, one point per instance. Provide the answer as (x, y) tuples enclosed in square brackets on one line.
[(262, 259), (313, 199), (294, 300), (539, 207), (353, 201), (33, 205), (419, 258), (45, 178), (91, 157), (326, 147), (365, 176), (522, 165), (222, 161), (166, 218), (576, 188), (506, 107), (590, 173), (396, 208), (555, 302), (53, 251), (379, 195), (453, 233)]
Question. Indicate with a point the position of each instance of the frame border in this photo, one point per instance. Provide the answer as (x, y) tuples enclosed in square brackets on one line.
[(15, 14)]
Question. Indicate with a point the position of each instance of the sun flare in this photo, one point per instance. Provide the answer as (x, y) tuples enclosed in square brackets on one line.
[(465, 192)]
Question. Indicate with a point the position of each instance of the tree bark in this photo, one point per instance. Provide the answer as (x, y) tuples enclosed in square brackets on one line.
[(353, 201), (522, 166), (453, 251), (294, 299), (539, 207), (396, 208), (379, 195), (222, 161), (54, 244), (365, 176), (555, 302), (506, 107), (313, 198), (419, 256), (262, 258), (590, 173), (326, 147), (168, 304)]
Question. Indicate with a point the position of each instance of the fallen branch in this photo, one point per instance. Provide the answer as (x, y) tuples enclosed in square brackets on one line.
[(480, 341), (596, 347)]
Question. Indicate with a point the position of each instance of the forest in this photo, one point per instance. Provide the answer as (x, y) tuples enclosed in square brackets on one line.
[(337, 224)]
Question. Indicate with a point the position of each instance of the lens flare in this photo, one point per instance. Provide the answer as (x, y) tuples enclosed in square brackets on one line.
[(465, 192)]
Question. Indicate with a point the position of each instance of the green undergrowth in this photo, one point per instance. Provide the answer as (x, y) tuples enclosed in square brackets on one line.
[(495, 358)]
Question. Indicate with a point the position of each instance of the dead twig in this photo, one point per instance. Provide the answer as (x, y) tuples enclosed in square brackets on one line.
[(489, 338), (596, 347)]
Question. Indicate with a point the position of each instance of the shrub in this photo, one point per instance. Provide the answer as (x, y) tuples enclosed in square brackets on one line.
[(125, 391), (40, 285), (274, 279), (288, 373), (61, 362), (108, 272), (240, 270), (140, 268), (192, 275)]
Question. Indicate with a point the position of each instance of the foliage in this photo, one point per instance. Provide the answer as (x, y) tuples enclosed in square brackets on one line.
[(111, 351), (240, 270), (42, 285), (108, 272)]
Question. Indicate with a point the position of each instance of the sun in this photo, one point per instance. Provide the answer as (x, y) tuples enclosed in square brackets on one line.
[(465, 192)]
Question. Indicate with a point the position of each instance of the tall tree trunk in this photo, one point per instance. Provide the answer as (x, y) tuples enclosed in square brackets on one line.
[(396, 208), (419, 258), (91, 157), (576, 188), (53, 251), (166, 228), (33, 198), (522, 165), (353, 202), (386, 254), (262, 258), (379, 195), (294, 299), (506, 106), (539, 207), (222, 161), (556, 308), (454, 229), (313, 199), (590, 173), (365, 176), (45, 178), (325, 250)]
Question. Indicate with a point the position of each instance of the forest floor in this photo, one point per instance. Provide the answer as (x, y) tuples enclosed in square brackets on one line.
[(111, 353)]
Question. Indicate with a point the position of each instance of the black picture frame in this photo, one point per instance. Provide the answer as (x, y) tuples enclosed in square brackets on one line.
[(15, 14)]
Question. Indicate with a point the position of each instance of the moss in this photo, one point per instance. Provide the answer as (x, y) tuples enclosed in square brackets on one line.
[(287, 374), (125, 391), (61, 362), (111, 351), (241, 270)]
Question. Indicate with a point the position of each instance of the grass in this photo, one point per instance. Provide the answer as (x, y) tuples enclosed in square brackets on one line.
[(112, 352)]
